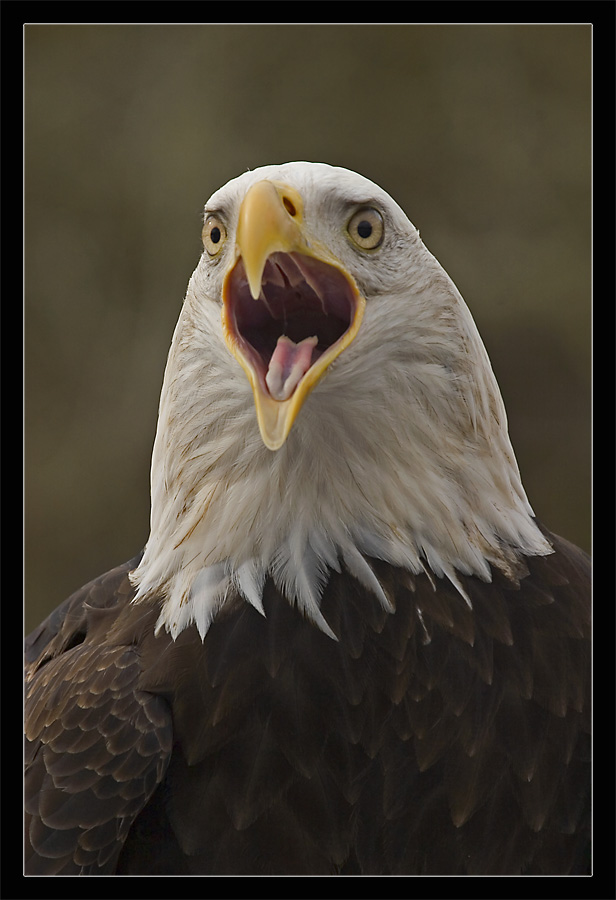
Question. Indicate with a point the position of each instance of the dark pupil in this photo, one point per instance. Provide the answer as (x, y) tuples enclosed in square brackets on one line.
[(215, 234), (364, 229)]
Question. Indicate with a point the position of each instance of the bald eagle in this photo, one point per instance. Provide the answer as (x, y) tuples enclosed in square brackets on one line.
[(348, 646)]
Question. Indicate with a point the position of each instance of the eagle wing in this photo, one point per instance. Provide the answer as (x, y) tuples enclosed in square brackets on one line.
[(96, 745)]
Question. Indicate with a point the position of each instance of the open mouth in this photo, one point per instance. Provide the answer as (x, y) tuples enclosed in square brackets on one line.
[(304, 310)]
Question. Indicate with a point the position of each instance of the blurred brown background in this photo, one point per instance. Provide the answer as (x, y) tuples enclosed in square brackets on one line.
[(480, 132)]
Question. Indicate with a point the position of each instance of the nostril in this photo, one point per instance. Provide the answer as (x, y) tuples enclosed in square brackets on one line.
[(289, 206)]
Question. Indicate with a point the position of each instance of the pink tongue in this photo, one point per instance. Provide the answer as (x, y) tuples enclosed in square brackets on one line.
[(288, 365)]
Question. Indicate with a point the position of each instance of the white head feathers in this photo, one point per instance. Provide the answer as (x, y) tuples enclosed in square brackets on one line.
[(400, 452)]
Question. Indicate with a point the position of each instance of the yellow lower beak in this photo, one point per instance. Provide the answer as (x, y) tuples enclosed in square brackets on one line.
[(271, 222)]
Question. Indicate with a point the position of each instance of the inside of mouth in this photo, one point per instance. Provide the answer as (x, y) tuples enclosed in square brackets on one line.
[(305, 306)]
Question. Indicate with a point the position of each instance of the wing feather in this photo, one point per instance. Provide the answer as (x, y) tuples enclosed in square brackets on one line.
[(96, 745)]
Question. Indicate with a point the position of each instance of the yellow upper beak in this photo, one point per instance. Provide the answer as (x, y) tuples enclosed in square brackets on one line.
[(271, 221), (268, 222)]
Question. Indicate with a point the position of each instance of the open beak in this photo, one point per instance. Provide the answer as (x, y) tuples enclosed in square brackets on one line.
[(289, 306)]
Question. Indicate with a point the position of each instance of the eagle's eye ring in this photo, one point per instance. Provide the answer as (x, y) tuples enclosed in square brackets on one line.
[(213, 234), (366, 228)]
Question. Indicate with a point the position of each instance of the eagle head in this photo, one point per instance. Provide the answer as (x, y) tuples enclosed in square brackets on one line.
[(327, 400)]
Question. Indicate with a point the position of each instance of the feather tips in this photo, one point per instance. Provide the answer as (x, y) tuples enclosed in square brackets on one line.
[(379, 753)]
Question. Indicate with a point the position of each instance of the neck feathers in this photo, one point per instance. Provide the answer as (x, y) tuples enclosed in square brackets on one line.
[(401, 453)]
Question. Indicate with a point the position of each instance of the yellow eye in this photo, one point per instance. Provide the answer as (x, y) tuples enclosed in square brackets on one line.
[(213, 234), (366, 228)]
